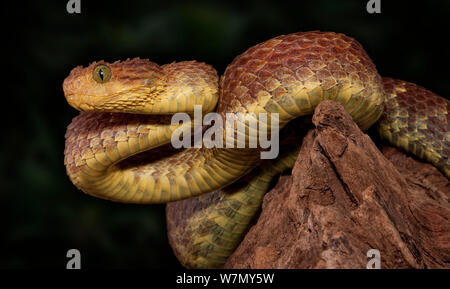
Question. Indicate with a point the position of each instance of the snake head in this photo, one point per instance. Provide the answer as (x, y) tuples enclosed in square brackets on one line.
[(122, 86), (140, 86)]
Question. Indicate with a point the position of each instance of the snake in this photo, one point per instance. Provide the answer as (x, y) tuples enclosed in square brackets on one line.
[(119, 148)]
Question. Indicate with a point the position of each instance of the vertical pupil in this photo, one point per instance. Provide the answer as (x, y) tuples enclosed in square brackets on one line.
[(100, 73)]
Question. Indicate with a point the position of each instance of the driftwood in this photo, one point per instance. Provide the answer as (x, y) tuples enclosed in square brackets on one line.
[(344, 198)]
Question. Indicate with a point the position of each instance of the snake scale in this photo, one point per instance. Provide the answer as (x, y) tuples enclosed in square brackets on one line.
[(118, 147)]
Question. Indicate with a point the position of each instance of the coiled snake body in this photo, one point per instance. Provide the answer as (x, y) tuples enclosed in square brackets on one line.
[(116, 147)]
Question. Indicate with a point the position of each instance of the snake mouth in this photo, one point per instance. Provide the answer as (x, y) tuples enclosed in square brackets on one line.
[(86, 107), (105, 103), (75, 101)]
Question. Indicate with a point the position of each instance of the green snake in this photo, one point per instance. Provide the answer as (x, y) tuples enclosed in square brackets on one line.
[(118, 147)]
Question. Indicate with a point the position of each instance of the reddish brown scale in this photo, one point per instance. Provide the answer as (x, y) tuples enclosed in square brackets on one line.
[(426, 116), (329, 57)]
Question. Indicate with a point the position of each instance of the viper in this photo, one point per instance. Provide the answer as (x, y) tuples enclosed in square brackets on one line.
[(118, 147)]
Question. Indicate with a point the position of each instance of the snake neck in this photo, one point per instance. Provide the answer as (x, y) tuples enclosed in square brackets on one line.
[(128, 161)]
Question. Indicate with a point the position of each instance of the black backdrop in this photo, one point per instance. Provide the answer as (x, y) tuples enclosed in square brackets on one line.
[(42, 214)]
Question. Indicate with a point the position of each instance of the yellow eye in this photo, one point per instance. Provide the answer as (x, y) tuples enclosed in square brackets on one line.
[(101, 73)]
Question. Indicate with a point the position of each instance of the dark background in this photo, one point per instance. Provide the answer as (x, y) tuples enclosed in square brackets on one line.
[(42, 214)]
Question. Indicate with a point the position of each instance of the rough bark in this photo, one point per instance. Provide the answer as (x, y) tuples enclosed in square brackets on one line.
[(345, 197)]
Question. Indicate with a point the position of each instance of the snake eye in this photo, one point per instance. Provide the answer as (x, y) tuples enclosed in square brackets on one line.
[(101, 73)]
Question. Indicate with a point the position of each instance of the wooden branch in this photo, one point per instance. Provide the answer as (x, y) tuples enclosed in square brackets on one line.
[(346, 197)]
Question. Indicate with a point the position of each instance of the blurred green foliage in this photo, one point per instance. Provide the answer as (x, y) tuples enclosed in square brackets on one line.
[(42, 213)]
